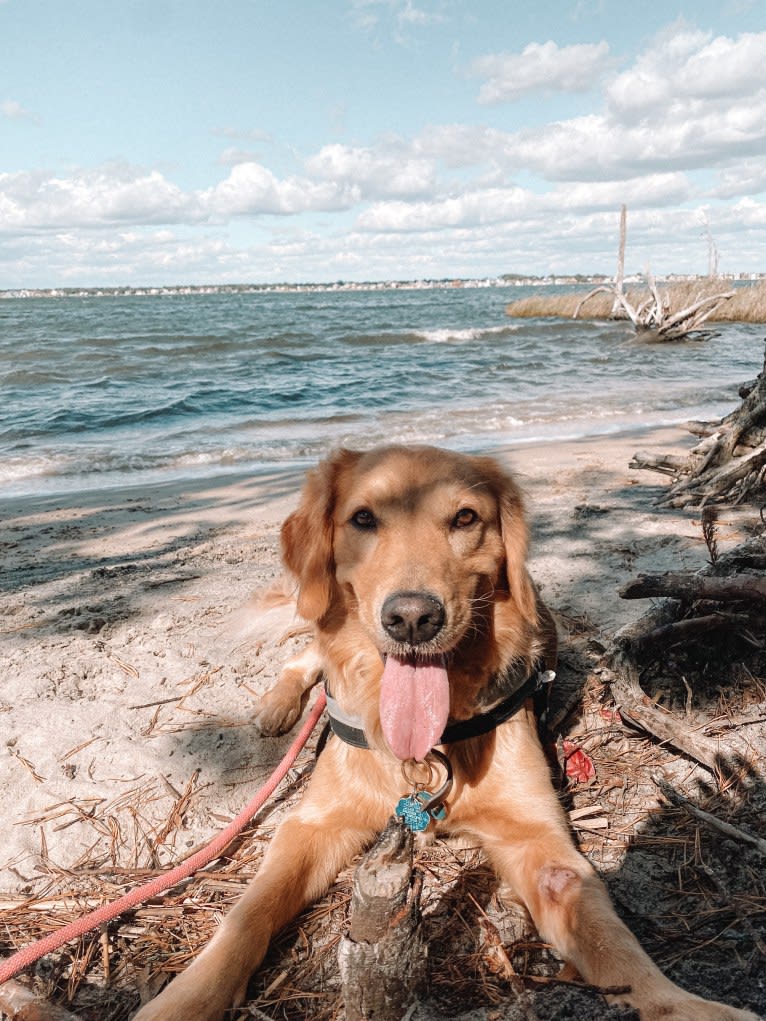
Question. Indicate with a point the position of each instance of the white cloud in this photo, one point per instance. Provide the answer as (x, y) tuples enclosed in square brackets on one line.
[(252, 189), (374, 173), (690, 101), (462, 145), (681, 129), (541, 67), (684, 136), (684, 69), (231, 156), (398, 15), (90, 198), (747, 178), (115, 195), (489, 206), (668, 239), (13, 110), (137, 256), (513, 204)]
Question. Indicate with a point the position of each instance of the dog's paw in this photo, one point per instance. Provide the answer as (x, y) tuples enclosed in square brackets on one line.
[(693, 1008), (276, 713), (194, 995), (169, 1008)]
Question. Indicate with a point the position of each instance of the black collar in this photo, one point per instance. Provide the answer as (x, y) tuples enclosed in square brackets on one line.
[(344, 727)]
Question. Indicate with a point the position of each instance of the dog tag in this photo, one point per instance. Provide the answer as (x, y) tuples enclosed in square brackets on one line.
[(416, 810), (412, 814)]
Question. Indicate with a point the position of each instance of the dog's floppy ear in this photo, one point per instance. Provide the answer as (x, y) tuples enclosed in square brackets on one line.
[(307, 537), (515, 534)]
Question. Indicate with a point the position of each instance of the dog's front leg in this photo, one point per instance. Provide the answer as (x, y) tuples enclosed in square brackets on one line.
[(305, 856), (525, 833), (572, 910)]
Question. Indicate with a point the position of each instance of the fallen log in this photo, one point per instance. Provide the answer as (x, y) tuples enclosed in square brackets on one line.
[(667, 464), (694, 587), (653, 315), (638, 710), (633, 638), (692, 628)]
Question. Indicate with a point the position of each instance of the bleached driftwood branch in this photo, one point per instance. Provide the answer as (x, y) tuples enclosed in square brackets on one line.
[(654, 314)]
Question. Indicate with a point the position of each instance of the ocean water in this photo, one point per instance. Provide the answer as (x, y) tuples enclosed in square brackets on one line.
[(102, 391)]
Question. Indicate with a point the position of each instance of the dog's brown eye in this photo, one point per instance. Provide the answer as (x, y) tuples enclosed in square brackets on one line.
[(465, 516), (363, 519)]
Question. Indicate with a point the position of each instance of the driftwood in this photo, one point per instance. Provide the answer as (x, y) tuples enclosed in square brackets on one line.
[(20, 1004), (728, 465), (654, 315), (383, 958), (637, 709), (725, 602), (682, 585), (688, 629)]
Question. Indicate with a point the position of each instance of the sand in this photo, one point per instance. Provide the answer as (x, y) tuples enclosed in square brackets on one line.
[(131, 663)]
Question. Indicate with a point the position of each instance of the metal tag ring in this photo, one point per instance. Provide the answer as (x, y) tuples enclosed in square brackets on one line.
[(409, 767)]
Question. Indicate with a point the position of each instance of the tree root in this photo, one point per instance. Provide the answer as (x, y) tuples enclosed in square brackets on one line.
[(728, 465)]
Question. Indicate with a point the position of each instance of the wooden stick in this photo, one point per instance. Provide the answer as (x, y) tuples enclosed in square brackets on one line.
[(632, 638), (729, 830), (695, 313), (696, 586), (669, 464), (683, 630)]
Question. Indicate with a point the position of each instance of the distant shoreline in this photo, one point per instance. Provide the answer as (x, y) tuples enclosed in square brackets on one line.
[(507, 280)]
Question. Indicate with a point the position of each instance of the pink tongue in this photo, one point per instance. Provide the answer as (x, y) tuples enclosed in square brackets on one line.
[(414, 706)]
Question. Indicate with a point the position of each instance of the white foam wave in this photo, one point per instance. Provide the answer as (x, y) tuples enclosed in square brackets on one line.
[(448, 336), (19, 469)]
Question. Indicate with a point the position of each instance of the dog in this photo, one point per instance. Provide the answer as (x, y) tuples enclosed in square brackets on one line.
[(411, 564)]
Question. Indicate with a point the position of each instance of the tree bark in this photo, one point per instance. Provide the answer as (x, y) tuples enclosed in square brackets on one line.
[(383, 958)]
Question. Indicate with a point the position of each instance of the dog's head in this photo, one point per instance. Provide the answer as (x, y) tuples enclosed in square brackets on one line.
[(419, 547)]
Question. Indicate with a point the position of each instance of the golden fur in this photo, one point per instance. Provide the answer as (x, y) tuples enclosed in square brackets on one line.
[(419, 519)]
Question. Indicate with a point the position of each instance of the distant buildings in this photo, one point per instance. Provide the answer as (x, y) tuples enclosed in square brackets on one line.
[(507, 280)]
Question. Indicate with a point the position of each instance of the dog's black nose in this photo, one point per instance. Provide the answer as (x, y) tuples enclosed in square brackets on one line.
[(412, 617)]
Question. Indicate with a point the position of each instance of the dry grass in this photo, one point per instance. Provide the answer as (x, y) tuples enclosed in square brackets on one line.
[(747, 306), (482, 952)]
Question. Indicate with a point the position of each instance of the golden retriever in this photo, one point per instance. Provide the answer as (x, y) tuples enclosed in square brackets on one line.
[(411, 564)]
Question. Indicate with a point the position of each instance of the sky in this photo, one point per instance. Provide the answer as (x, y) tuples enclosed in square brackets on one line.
[(167, 142)]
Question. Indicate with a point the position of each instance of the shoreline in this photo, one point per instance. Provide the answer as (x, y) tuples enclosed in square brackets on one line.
[(270, 472)]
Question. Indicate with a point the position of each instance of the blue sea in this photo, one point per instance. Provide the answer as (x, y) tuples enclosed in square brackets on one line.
[(101, 391)]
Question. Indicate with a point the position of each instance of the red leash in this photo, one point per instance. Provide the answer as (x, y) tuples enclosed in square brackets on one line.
[(22, 959)]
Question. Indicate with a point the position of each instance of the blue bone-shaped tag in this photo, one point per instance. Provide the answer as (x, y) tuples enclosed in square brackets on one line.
[(412, 814), (416, 813)]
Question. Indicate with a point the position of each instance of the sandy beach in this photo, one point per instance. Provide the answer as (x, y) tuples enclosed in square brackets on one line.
[(132, 664)]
